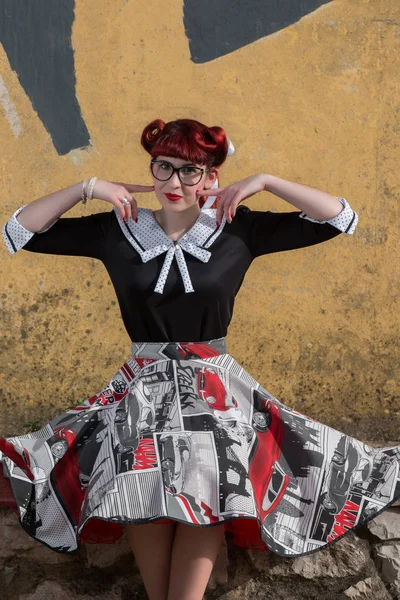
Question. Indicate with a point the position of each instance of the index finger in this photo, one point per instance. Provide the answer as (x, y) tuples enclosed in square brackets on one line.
[(139, 188), (211, 192)]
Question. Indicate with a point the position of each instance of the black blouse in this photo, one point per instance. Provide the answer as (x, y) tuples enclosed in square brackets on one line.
[(182, 291)]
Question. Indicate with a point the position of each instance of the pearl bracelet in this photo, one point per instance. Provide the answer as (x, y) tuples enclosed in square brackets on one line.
[(90, 188), (85, 197)]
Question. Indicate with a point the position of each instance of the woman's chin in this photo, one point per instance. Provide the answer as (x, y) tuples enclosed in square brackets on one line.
[(178, 206)]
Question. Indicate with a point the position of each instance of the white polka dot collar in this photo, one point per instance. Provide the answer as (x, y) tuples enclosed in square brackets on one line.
[(150, 240)]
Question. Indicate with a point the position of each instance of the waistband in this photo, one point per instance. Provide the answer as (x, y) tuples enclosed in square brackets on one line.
[(178, 350)]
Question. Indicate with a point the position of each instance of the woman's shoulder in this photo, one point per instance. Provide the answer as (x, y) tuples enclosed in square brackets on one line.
[(245, 213), (241, 225), (242, 209), (243, 217)]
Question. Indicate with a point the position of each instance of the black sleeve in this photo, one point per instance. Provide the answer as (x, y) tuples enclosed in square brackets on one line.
[(80, 236), (266, 232)]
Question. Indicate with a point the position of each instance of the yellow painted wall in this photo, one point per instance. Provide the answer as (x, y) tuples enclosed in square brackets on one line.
[(317, 103)]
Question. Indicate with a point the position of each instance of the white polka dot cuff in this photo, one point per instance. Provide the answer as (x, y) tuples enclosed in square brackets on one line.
[(346, 221), (15, 235)]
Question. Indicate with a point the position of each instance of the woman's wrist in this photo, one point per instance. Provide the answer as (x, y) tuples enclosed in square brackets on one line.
[(267, 181)]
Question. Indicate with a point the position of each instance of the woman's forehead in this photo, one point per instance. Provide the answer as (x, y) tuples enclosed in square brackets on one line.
[(176, 162)]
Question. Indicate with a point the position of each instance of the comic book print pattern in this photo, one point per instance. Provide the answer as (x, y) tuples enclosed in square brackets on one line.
[(183, 432)]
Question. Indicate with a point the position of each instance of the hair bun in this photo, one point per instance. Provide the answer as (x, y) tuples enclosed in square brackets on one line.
[(151, 133), (221, 144)]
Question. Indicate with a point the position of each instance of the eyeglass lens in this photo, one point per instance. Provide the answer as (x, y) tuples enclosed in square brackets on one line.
[(188, 175)]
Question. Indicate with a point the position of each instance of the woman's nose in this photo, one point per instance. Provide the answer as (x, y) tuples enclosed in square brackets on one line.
[(175, 181)]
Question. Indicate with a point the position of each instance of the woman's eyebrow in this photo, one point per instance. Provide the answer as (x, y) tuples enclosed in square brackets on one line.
[(184, 165)]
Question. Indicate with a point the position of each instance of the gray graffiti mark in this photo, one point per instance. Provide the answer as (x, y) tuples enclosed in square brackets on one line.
[(215, 28), (36, 37)]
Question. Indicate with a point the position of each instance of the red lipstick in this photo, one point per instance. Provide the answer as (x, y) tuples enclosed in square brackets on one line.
[(173, 197)]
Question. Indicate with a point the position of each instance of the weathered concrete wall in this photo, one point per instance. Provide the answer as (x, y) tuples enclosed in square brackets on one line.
[(316, 101)]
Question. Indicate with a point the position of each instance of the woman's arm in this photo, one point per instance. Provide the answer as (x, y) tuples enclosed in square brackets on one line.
[(43, 212), (38, 217), (315, 203), (267, 231), (68, 235)]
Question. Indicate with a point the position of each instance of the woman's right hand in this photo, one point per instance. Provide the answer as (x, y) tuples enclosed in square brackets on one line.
[(114, 192)]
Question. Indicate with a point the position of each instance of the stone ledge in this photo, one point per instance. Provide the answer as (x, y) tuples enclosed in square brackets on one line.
[(364, 565)]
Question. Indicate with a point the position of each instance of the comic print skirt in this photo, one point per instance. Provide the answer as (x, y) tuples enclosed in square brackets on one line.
[(182, 432)]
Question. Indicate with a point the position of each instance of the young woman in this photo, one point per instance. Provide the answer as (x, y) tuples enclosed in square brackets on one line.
[(183, 443)]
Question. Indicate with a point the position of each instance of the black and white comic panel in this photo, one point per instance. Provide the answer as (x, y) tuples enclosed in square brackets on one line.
[(213, 401), (190, 475), (40, 509), (319, 483), (150, 407)]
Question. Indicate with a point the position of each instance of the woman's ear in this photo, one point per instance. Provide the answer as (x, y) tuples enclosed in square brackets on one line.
[(212, 175)]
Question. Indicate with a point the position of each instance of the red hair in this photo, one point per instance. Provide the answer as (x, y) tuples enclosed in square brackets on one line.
[(186, 139)]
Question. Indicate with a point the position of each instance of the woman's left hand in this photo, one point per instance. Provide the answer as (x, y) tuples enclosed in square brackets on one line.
[(231, 195)]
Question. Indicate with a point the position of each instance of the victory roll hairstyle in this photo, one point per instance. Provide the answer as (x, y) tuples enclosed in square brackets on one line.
[(186, 139)]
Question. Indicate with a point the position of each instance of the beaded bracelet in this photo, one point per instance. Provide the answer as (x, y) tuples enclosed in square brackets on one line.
[(89, 195), (90, 188), (83, 195)]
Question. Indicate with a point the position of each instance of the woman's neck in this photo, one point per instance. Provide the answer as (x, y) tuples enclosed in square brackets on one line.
[(175, 224)]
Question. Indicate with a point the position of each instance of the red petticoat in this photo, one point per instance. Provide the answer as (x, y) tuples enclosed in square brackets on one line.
[(246, 531)]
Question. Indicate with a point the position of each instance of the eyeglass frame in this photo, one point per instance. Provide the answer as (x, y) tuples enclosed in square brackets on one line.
[(178, 170)]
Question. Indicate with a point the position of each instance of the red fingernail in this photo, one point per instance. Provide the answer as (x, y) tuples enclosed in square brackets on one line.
[(218, 224), (136, 220)]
